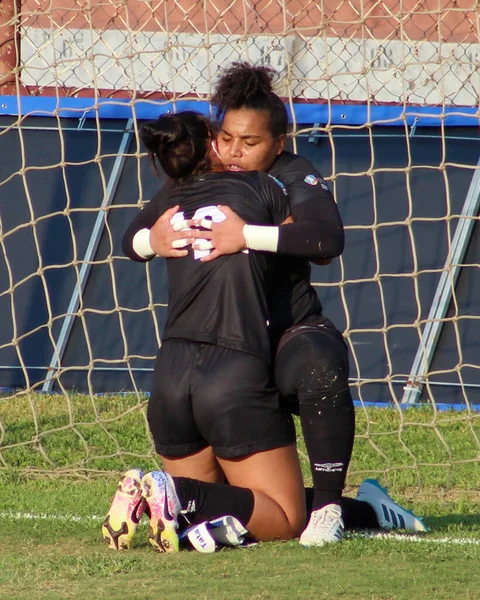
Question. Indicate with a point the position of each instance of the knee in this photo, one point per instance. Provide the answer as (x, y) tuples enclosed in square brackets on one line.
[(289, 527), (297, 525), (312, 364), (296, 516), (325, 373)]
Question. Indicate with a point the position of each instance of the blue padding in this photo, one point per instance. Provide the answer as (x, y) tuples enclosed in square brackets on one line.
[(358, 403), (439, 407), (335, 114)]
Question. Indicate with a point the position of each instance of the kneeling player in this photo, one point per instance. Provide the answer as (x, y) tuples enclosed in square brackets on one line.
[(213, 410), (312, 361)]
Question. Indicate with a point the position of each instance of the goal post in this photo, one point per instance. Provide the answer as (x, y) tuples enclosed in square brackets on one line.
[(383, 98)]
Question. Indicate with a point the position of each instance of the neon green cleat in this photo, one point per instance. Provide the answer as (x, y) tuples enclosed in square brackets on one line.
[(125, 512), (164, 506)]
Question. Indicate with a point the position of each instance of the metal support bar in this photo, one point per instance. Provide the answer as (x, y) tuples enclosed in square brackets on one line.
[(413, 128), (443, 294), (314, 137), (60, 346), (81, 121)]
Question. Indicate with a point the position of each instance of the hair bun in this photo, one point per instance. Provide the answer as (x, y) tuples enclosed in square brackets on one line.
[(242, 83), (148, 133), (160, 134), (179, 141)]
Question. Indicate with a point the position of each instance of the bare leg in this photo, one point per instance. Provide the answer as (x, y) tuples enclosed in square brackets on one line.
[(275, 478), (202, 465)]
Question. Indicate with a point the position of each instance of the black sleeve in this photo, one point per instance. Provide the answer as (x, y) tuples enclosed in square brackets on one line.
[(317, 232), (276, 197), (145, 219)]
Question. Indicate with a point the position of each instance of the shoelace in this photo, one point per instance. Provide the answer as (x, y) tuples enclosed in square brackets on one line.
[(324, 519)]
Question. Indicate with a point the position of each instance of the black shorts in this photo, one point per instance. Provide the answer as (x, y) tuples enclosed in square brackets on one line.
[(205, 395)]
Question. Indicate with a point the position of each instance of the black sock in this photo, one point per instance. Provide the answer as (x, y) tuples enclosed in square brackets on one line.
[(311, 371), (206, 501), (328, 424), (310, 496), (356, 514)]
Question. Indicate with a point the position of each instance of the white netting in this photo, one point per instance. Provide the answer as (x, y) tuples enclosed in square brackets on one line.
[(147, 53), (409, 52)]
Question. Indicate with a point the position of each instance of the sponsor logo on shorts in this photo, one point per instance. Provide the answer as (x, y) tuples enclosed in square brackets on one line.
[(329, 467)]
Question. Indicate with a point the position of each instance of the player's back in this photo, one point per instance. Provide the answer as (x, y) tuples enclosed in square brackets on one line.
[(223, 302)]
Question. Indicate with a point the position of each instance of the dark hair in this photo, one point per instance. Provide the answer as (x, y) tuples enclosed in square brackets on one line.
[(243, 85), (180, 142)]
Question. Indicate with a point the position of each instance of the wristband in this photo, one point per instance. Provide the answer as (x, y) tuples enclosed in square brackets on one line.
[(259, 237), (141, 244)]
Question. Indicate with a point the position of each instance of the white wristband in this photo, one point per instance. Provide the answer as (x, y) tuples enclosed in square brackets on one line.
[(260, 237), (141, 244)]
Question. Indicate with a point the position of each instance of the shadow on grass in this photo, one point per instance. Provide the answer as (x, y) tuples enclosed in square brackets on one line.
[(470, 522)]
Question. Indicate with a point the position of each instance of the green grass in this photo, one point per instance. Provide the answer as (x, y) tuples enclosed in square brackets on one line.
[(66, 559), (416, 449), (58, 476)]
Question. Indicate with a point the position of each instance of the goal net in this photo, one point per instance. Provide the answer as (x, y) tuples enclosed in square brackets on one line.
[(384, 101)]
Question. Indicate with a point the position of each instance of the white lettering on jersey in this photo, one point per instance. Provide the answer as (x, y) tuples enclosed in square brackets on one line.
[(205, 212)]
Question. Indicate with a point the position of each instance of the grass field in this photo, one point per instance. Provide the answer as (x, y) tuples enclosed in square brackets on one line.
[(59, 473)]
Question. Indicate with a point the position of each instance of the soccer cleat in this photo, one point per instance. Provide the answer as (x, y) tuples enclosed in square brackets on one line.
[(325, 527), (125, 511), (164, 507), (390, 515)]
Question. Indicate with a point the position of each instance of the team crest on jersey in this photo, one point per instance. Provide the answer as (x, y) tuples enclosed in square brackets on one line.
[(311, 180), (314, 180)]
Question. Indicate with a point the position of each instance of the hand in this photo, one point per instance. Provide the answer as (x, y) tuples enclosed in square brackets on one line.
[(166, 239), (224, 238)]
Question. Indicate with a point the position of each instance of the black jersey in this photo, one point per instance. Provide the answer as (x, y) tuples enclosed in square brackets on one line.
[(222, 302), (295, 301)]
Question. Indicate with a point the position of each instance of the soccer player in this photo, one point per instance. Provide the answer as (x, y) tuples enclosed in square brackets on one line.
[(213, 410), (311, 364)]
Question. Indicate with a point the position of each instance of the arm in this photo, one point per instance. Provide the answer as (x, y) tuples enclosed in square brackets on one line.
[(316, 233), (272, 199), (151, 235), (287, 221)]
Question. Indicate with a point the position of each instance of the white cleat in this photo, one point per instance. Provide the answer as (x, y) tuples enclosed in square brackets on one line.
[(390, 515), (325, 527)]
